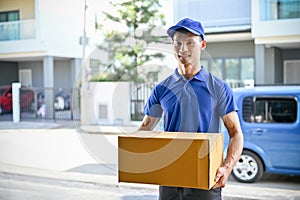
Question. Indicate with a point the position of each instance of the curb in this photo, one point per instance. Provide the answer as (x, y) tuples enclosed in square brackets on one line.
[(95, 179)]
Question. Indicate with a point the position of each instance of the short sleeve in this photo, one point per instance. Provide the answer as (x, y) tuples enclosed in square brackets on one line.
[(227, 103), (153, 107)]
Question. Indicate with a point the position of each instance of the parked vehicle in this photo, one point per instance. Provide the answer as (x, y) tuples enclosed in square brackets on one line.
[(61, 101), (26, 99), (269, 117)]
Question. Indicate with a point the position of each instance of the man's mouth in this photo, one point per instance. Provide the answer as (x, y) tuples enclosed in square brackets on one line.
[(182, 57)]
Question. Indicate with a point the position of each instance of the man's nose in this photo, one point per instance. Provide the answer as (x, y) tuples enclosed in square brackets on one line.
[(183, 47)]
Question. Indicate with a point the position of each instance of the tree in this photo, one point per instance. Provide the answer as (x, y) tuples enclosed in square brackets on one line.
[(127, 47)]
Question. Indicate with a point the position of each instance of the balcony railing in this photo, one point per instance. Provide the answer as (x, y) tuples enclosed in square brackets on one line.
[(17, 30)]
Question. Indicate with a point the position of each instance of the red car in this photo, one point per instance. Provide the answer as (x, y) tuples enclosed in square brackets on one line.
[(26, 99)]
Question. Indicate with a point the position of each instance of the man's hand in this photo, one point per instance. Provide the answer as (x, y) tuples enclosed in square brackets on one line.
[(222, 177), (148, 123), (235, 148)]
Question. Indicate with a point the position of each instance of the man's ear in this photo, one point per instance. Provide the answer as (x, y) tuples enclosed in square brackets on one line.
[(203, 45)]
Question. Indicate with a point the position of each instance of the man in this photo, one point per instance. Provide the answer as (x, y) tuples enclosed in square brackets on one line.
[(193, 100)]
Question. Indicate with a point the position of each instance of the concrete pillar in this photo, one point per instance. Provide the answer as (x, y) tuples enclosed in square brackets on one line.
[(260, 73), (76, 78), (75, 72), (278, 76), (270, 65), (85, 99), (48, 68), (16, 102)]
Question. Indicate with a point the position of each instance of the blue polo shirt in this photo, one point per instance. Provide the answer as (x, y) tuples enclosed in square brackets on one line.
[(194, 105)]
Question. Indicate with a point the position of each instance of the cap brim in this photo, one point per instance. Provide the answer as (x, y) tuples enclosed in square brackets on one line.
[(172, 30)]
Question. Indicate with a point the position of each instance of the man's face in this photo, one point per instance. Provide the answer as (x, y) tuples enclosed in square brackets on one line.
[(187, 48)]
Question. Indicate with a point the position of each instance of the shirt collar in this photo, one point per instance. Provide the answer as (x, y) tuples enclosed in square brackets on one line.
[(199, 76)]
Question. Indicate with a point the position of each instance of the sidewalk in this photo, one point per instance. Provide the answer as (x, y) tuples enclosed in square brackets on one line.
[(63, 131), (38, 124), (64, 124), (233, 191)]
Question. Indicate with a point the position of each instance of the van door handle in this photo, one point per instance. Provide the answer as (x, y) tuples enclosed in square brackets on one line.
[(258, 131)]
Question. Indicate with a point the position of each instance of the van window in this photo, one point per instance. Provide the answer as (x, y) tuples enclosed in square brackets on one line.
[(269, 110)]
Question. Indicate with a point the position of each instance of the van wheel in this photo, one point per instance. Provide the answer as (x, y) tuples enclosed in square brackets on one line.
[(248, 169)]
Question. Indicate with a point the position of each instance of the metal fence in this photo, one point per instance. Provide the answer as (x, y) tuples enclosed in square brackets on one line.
[(53, 103), (45, 103), (140, 92)]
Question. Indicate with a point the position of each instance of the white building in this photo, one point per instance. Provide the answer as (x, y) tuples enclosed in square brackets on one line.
[(40, 42), (276, 33), (258, 39), (246, 40)]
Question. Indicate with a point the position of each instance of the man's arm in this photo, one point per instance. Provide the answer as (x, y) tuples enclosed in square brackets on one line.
[(148, 123), (231, 122)]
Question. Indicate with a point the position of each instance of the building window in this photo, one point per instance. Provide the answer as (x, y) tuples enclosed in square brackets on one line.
[(279, 9), (216, 68), (232, 69), (232, 72), (288, 9), (9, 31), (247, 69), (9, 16), (269, 110), (204, 63), (235, 71)]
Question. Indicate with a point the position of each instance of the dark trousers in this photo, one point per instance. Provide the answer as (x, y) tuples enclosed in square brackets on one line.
[(178, 193)]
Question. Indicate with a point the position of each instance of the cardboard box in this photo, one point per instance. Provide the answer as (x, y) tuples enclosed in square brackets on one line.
[(170, 159)]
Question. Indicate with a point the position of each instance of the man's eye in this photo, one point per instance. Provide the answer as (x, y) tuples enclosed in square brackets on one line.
[(177, 43), (191, 43)]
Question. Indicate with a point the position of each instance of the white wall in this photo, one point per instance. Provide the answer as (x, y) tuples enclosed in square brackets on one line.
[(214, 13), (37, 72), (62, 75), (60, 25), (116, 96)]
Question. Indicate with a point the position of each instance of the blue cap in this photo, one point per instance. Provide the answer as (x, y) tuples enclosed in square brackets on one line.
[(190, 25)]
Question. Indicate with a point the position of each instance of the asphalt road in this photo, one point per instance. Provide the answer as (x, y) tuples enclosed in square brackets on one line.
[(65, 150)]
